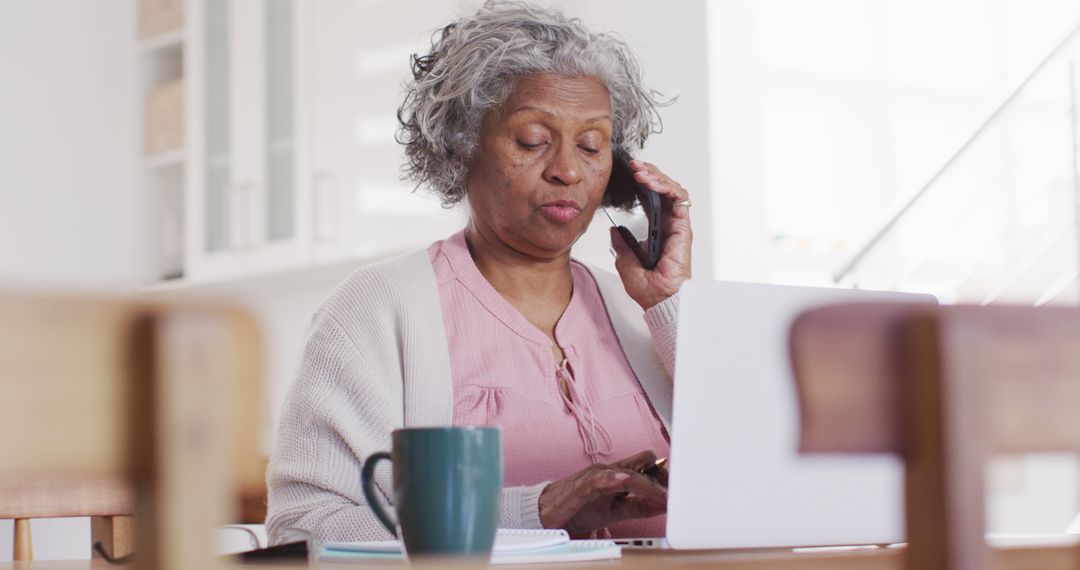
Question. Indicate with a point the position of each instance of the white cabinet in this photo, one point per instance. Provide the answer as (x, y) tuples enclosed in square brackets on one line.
[(246, 193), (359, 62), (289, 158)]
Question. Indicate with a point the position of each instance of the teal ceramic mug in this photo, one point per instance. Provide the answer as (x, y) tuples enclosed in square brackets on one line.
[(447, 489)]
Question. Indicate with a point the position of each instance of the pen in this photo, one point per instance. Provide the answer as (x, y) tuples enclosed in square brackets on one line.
[(649, 471), (652, 470)]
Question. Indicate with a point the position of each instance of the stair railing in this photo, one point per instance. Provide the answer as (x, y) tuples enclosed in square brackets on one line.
[(1003, 103)]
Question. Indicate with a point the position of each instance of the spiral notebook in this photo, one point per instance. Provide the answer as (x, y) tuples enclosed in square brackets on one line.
[(512, 546)]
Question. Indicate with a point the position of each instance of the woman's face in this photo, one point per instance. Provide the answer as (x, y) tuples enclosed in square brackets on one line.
[(542, 165)]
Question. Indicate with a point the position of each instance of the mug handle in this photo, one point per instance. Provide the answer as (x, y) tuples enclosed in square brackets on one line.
[(367, 480)]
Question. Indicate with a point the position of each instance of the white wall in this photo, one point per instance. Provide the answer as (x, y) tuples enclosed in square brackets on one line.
[(67, 142), (67, 169), (826, 114)]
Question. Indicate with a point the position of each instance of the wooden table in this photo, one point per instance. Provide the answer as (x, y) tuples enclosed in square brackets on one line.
[(1013, 558)]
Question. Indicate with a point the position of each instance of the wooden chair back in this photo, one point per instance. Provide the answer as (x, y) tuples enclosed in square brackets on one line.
[(945, 387), (117, 394), (109, 503)]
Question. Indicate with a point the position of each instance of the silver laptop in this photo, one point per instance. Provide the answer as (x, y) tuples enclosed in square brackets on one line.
[(737, 479)]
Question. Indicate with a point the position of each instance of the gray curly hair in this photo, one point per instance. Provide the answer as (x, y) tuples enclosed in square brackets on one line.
[(472, 68)]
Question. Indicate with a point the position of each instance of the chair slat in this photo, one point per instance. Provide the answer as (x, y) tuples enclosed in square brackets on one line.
[(62, 364), (48, 498), (845, 361), (1026, 363)]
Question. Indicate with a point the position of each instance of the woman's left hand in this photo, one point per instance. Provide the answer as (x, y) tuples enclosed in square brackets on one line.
[(651, 286)]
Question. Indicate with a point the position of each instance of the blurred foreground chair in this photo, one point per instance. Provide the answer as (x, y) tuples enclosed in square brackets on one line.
[(102, 395), (945, 387), (108, 502)]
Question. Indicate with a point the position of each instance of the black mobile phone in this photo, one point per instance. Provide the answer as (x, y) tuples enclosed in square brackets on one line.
[(625, 193)]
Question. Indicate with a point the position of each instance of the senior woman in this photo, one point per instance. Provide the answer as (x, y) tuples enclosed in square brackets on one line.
[(516, 110)]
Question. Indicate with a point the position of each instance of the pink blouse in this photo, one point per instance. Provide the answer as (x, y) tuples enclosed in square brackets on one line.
[(504, 374)]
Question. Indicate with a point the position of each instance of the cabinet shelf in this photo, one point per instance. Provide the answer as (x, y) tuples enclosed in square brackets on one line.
[(164, 159), (168, 40), (272, 280)]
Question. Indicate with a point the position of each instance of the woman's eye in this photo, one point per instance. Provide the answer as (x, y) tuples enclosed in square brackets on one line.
[(532, 145), (589, 149)]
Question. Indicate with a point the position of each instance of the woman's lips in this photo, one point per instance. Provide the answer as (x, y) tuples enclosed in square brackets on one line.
[(561, 211)]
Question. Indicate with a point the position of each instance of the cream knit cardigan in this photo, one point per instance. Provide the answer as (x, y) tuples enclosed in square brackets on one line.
[(375, 360)]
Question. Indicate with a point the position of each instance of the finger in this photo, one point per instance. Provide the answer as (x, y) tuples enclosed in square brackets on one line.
[(676, 254), (679, 207), (654, 180), (569, 496), (644, 498), (643, 501), (600, 485), (635, 507), (679, 232), (661, 475), (676, 214), (645, 462), (638, 461), (600, 482), (646, 172), (643, 165), (618, 242), (677, 224), (639, 488), (650, 171), (639, 165), (639, 485), (672, 191)]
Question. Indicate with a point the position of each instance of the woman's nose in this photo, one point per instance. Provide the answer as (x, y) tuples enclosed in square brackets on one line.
[(565, 167)]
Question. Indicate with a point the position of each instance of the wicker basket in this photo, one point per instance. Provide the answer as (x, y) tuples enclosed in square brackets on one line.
[(158, 17), (165, 118)]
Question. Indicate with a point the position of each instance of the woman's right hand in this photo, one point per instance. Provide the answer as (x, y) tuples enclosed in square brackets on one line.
[(602, 495)]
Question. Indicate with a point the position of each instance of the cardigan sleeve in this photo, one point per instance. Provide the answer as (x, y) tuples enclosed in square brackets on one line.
[(336, 415), (663, 322), (332, 421)]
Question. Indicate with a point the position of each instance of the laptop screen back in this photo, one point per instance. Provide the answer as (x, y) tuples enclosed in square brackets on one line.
[(737, 479)]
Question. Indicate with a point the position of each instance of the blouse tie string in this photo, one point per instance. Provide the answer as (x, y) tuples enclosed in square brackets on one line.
[(595, 437)]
